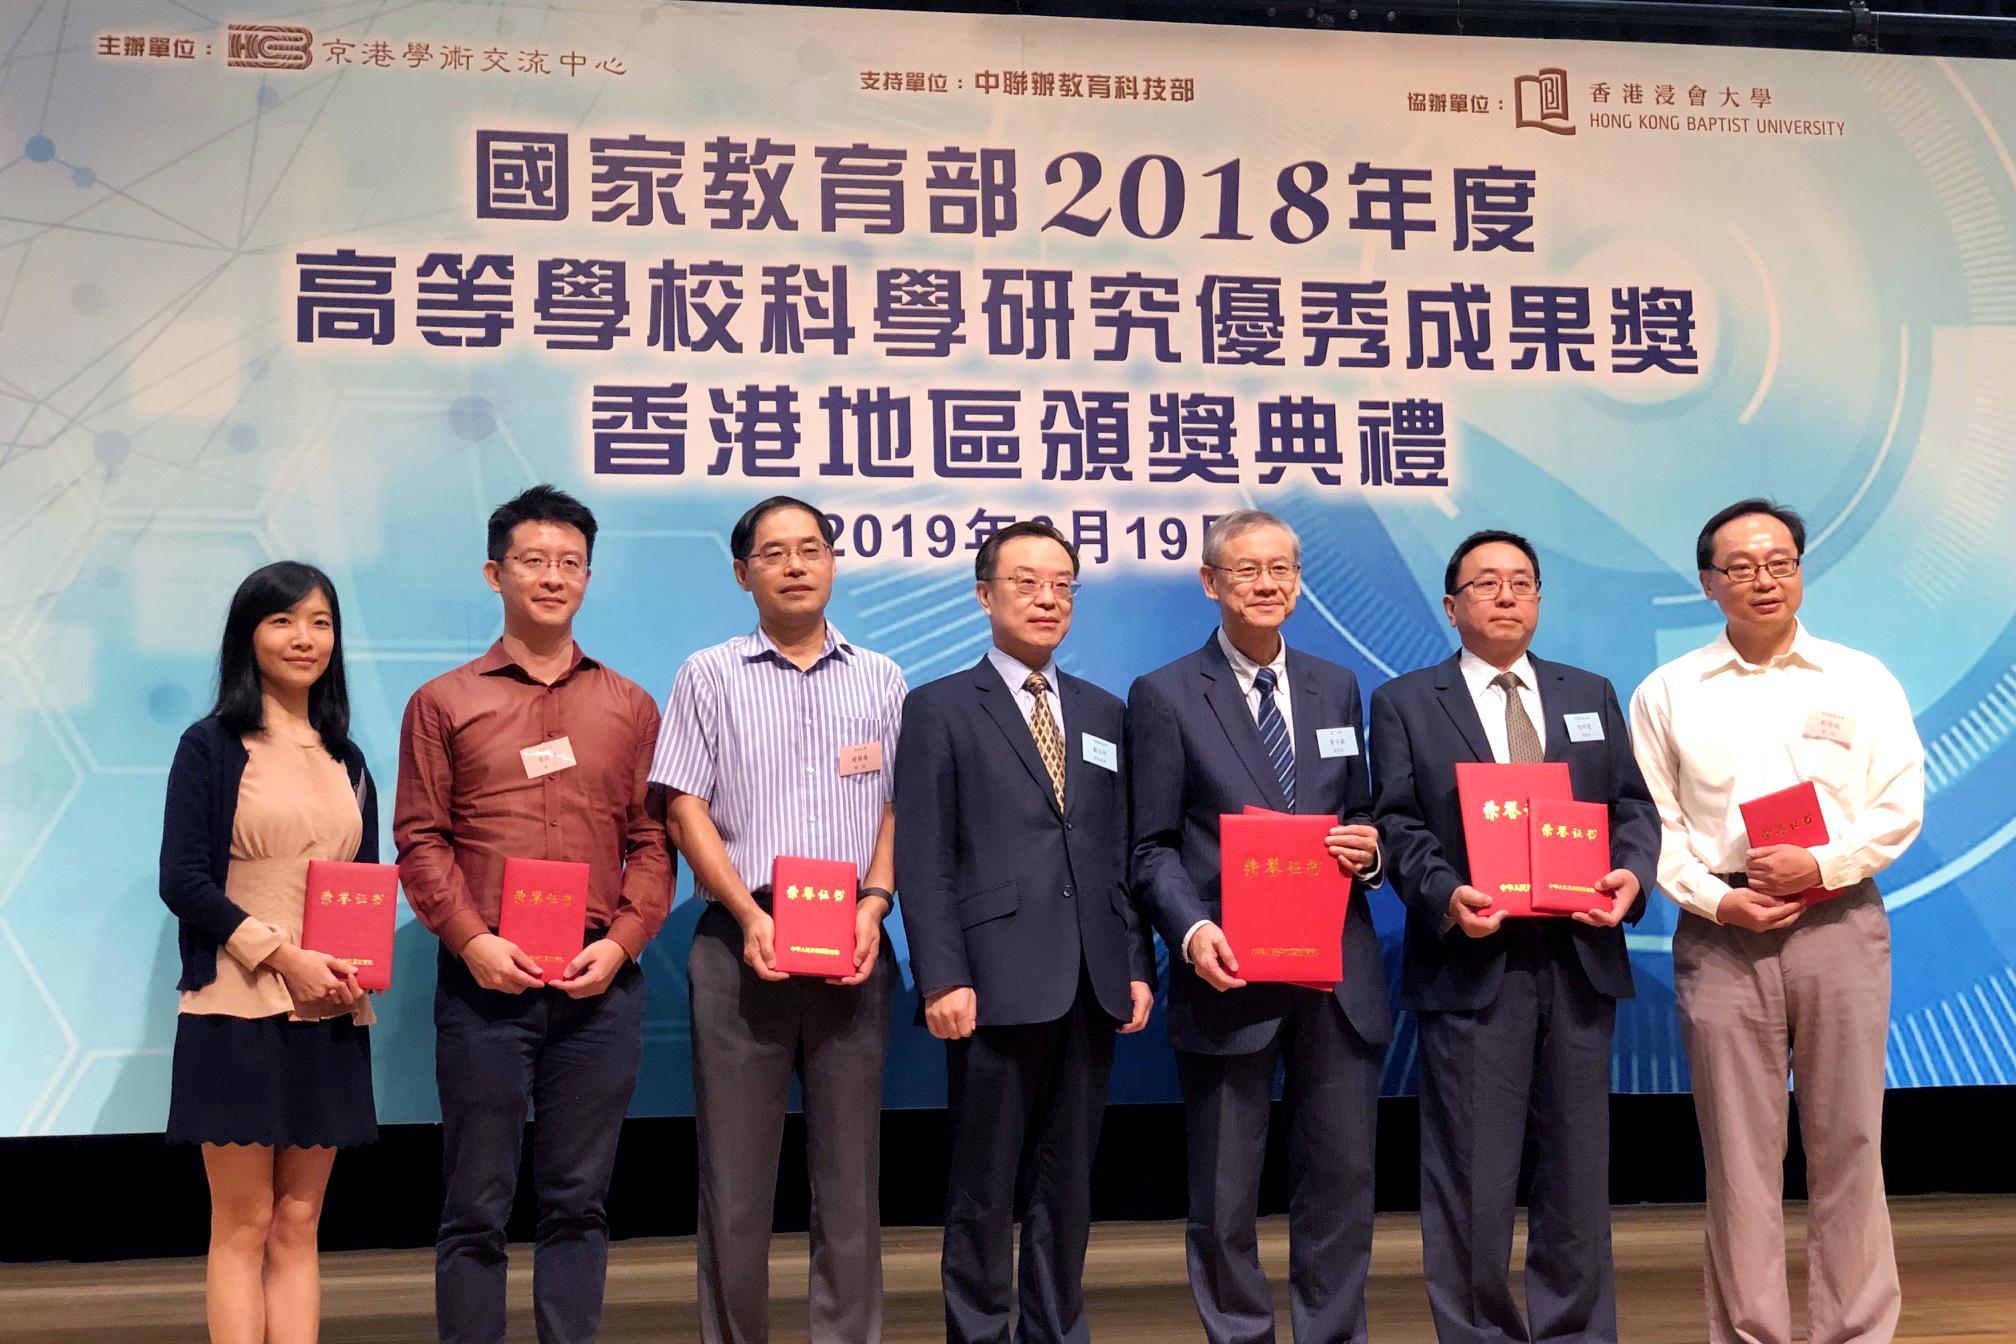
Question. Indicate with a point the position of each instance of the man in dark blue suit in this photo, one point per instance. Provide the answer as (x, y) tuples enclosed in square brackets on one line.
[(1246, 720), (1011, 864), (1515, 1018)]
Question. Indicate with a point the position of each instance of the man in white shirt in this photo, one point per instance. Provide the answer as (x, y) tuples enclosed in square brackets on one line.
[(1765, 979)]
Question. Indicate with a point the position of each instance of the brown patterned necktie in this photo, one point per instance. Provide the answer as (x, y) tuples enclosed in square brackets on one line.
[(1522, 742), (1049, 742)]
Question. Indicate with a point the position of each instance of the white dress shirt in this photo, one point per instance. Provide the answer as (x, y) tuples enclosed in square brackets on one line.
[(1245, 669), (1014, 671), (1490, 700), (1712, 731)]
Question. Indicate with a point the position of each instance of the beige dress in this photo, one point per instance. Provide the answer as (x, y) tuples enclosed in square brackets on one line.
[(294, 804)]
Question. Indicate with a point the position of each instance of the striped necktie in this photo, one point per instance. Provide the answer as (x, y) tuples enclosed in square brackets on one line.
[(1274, 735)]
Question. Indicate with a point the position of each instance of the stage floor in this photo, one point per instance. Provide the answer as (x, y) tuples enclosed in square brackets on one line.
[(1957, 1256)]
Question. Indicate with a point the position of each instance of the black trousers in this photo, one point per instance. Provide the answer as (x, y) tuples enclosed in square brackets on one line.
[(1025, 1105), (575, 1062), (1330, 1095), (1530, 1071)]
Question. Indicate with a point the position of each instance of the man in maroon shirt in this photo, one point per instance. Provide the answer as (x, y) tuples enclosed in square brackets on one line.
[(533, 751)]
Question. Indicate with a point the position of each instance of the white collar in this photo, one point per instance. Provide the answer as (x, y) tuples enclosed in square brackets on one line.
[(1014, 671), (1478, 674), (1244, 668), (1719, 655)]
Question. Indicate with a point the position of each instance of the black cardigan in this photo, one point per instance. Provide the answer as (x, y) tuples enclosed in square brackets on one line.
[(196, 839)]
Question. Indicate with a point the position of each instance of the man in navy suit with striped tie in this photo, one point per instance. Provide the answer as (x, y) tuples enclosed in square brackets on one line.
[(1011, 863), (1246, 720)]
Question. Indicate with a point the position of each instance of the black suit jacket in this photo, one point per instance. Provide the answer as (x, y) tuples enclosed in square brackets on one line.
[(1423, 723), (1000, 890), (1195, 756)]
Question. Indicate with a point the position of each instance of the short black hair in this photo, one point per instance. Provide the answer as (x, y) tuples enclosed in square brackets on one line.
[(240, 707), (990, 549), (742, 537), (1704, 545), (540, 504), (1486, 538)]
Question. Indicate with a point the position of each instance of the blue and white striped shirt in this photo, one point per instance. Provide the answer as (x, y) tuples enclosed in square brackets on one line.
[(759, 740)]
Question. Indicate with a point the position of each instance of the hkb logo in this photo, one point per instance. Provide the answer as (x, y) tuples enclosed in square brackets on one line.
[(1541, 101), (269, 46)]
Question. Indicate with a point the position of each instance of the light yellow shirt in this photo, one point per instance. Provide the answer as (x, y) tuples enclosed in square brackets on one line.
[(1712, 731)]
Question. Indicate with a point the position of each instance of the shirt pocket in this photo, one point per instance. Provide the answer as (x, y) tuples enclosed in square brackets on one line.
[(1833, 767)]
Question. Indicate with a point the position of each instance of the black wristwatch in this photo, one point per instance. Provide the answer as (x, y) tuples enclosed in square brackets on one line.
[(883, 892)]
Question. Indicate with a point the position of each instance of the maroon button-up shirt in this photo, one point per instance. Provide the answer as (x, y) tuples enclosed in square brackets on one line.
[(465, 802)]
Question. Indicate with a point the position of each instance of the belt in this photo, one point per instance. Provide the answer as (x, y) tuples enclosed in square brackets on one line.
[(1735, 879)]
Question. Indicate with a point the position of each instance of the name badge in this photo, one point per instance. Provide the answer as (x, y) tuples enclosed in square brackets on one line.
[(1829, 725), (548, 758), (1100, 752), (1334, 742), (1584, 727), (862, 758)]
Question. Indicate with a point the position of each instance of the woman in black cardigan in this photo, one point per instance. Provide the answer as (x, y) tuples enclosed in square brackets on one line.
[(272, 1067)]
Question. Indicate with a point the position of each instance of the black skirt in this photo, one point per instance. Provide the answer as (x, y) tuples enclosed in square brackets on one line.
[(271, 1081)]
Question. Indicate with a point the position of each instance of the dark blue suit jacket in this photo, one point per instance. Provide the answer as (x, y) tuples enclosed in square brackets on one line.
[(1423, 723), (1000, 890), (1196, 756)]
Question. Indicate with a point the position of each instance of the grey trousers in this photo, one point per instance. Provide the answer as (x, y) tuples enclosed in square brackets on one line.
[(749, 1038), (1816, 999)]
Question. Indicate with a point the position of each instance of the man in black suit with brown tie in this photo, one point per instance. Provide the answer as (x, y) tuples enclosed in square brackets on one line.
[(1011, 865), (1515, 1015)]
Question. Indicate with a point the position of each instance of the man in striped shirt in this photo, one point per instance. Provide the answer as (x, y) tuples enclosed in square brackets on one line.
[(783, 742)]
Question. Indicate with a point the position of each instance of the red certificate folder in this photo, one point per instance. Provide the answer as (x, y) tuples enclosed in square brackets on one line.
[(1252, 811), (545, 911), (1495, 799), (1282, 898), (812, 911), (349, 914), (1571, 852), (1788, 817)]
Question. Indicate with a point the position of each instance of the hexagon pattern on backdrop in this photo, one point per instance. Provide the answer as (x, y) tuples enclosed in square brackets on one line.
[(162, 432)]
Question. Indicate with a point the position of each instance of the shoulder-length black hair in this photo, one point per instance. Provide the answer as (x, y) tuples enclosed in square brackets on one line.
[(277, 587)]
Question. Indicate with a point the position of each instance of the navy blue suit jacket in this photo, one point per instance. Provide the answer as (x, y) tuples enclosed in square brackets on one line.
[(1423, 723), (1000, 890), (1195, 755)]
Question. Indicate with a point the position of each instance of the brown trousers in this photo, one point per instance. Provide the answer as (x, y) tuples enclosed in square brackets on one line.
[(1815, 998)]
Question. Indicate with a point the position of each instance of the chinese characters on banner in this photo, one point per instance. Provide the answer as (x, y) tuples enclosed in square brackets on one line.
[(1090, 362)]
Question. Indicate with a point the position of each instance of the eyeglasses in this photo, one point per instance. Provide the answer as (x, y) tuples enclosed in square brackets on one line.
[(1245, 576), (1742, 572), (571, 567), (1026, 588), (811, 553), (1487, 587)]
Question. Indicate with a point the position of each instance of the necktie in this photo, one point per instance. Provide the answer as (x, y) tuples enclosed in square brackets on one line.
[(1274, 735), (1522, 743), (1049, 742)]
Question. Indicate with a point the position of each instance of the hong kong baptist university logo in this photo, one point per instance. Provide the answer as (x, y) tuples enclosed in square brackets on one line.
[(1540, 101), (269, 46)]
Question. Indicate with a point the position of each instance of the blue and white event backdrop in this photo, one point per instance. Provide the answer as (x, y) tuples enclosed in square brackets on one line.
[(331, 280)]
